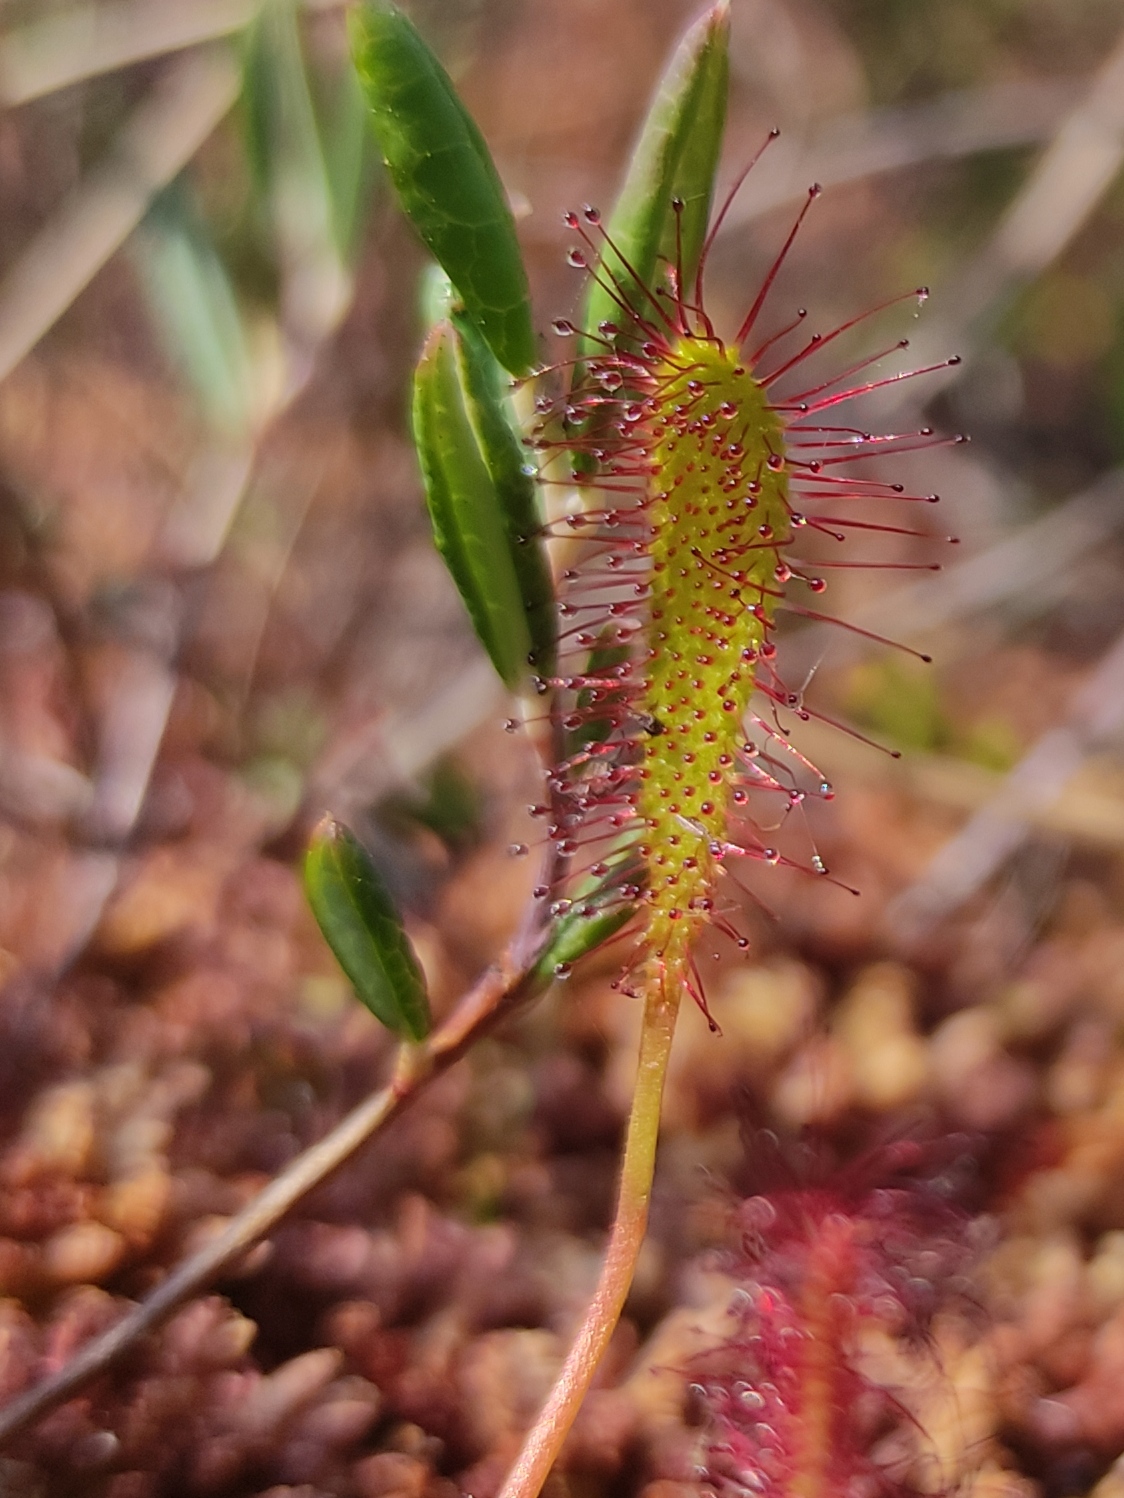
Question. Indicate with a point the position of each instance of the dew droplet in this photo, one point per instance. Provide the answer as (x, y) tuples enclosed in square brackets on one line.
[(563, 327), (576, 259)]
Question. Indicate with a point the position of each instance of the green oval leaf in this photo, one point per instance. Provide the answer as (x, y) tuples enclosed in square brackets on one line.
[(446, 180), (482, 382), (676, 156), (469, 523), (364, 931)]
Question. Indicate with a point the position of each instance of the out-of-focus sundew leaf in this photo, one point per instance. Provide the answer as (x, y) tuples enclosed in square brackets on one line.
[(606, 654), (364, 930), (288, 165), (676, 156), (193, 305), (483, 381), (469, 523), (445, 178)]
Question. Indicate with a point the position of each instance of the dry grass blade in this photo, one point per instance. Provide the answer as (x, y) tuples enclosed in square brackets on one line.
[(1027, 569), (158, 140), (852, 148), (1062, 191), (979, 850), (89, 40)]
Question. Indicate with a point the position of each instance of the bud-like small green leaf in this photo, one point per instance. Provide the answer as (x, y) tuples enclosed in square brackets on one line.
[(363, 929), (676, 156), (589, 922), (446, 180), (479, 514)]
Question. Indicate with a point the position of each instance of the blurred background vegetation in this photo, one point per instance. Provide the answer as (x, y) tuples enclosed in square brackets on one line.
[(220, 611)]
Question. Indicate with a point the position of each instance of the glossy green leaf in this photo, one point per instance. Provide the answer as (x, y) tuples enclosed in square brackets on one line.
[(363, 929), (472, 531), (445, 178), (676, 156), (483, 384), (193, 304)]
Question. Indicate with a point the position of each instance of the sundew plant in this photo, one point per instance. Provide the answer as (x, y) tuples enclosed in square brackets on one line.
[(626, 520)]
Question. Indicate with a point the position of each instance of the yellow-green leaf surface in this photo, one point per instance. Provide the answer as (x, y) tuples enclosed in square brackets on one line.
[(445, 178), (363, 929), (469, 523), (676, 156)]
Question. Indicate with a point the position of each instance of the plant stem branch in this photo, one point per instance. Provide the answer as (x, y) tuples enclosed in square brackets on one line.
[(541, 1448), (502, 990)]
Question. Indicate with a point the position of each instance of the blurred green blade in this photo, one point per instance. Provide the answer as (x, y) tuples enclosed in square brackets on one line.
[(469, 525), (193, 304), (445, 178), (363, 929), (676, 156), (481, 382), (289, 169), (349, 159)]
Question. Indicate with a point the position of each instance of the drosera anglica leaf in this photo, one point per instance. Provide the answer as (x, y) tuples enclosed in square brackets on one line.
[(445, 178), (361, 925), (676, 156), (470, 527)]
